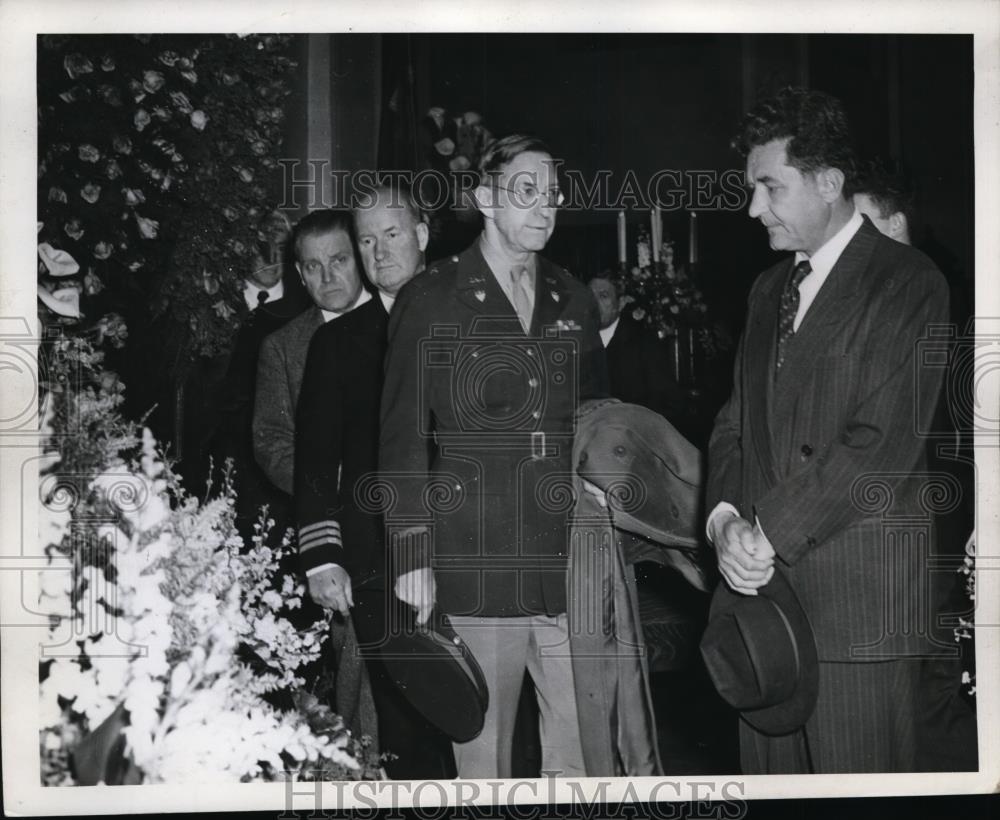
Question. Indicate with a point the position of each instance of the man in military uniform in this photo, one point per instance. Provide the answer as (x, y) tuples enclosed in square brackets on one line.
[(489, 355)]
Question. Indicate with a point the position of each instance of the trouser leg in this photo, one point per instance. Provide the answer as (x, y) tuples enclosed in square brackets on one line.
[(550, 667), (500, 646)]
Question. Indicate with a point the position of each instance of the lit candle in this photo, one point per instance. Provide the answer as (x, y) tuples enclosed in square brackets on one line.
[(693, 240), (621, 237), (655, 236)]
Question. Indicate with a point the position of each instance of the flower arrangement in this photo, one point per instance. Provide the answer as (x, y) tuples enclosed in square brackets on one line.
[(452, 146), (663, 297), (963, 632), (149, 631), (157, 165), (454, 143)]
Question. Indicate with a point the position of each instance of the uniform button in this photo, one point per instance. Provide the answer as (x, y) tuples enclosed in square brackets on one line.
[(531, 352), (532, 382), (536, 415), (475, 354), (458, 487)]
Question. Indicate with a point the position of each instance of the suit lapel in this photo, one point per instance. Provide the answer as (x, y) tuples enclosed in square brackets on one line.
[(835, 301), (760, 357), (366, 334)]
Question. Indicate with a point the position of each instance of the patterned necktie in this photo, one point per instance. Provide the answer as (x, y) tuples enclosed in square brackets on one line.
[(789, 307), (522, 304)]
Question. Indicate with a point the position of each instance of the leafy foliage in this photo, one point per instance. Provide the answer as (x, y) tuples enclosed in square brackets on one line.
[(157, 165)]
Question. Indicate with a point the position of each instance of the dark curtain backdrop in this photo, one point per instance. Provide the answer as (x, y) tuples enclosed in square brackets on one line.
[(639, 104), (672, 101)]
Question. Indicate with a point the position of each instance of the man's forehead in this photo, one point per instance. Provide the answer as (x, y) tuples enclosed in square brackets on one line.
[(335, 236), (769, 160), (530, 166), (382, 211)]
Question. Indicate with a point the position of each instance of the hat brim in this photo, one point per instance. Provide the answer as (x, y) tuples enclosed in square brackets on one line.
[(440, 677), (787, 716)]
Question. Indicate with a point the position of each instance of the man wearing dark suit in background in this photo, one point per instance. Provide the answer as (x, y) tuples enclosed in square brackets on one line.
[(826, 400), (638, 362), (490, 353), (272, 307), (342, 543), (887, 201)]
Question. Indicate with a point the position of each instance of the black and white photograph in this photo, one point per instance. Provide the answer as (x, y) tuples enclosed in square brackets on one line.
[(458, 408)]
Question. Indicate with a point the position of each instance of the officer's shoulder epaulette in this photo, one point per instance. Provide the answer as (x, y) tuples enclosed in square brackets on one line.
[(442, 265)]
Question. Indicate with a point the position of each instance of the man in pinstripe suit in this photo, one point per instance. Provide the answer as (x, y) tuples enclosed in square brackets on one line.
[(826, 401)]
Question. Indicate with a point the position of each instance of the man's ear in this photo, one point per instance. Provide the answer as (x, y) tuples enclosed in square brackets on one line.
[(830, 183), (484, 200), (423, 235), (897, 226)]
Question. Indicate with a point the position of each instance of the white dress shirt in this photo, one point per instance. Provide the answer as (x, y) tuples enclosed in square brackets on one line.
[(250, 291), (363, 297), (387, 300), (822, 263), (608, 333)]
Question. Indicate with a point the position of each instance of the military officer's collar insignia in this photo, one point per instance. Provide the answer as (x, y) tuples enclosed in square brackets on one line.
[(476, 280), (568, 324), (555, 296), (480, 295)]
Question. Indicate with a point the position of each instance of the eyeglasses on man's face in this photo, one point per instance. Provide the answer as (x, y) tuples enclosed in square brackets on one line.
[(528, 195)]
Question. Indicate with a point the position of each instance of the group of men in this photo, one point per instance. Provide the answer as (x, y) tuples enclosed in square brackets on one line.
[(412, 420)]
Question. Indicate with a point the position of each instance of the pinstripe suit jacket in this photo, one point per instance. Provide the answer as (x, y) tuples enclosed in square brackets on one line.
[(826, 448), (279, 378)]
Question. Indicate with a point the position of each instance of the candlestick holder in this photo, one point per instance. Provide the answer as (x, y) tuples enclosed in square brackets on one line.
[(665, 299)]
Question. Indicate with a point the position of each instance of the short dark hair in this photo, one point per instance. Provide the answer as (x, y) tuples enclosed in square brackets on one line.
[(609, 276), (889, 190), (398, 191), (815, 125), (501, 152), (324, 221)]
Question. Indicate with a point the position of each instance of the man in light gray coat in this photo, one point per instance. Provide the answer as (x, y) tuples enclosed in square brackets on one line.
[(327, 263)]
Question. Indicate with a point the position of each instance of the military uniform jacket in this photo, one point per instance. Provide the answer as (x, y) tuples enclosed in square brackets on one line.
[(826, 453), (477, 433)]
